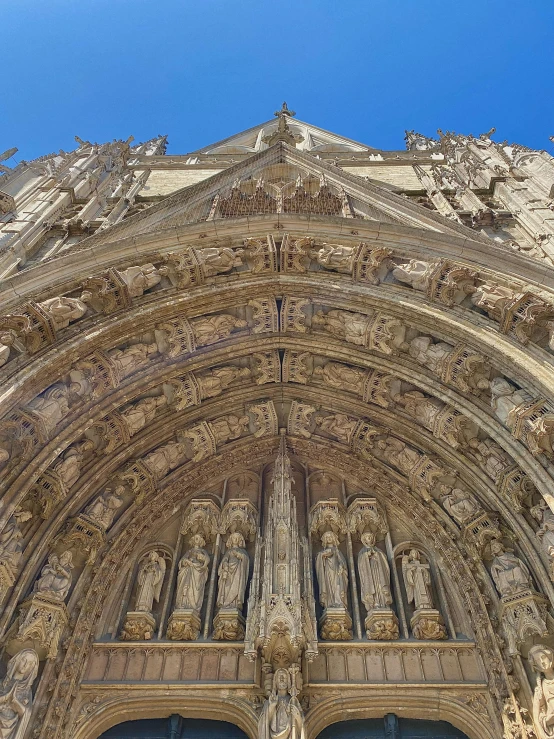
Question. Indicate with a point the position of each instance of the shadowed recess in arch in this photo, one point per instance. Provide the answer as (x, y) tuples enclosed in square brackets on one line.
[(390, 727), (175, 727)]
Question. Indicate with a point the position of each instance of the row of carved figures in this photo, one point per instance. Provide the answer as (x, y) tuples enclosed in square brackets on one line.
[(525, 315)]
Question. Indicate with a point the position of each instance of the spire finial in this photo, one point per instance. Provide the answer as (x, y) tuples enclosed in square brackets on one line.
[(284, 111)]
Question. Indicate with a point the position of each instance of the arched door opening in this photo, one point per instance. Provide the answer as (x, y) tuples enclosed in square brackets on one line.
[(391, 727), (174, 727)]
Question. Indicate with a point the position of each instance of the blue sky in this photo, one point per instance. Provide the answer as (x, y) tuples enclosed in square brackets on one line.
[(201, 70)]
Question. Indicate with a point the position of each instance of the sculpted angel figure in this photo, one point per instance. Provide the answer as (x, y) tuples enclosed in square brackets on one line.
[(342, 376), (334, 256), (338, 425), (460, 504), (215, 381), (64, 310), (150, 580), (69, 466), (509, 573), (138, 415), (102, 510), (132, 358), (415, 273), (397, 453), (492, 458), (344, 324), (229, 427), (55, 578), (51, 406), (422, 409), (140, 279), (374, 572), (281, 716), (332, 573), (233, 573), (219, 259), (193, 573), (492, 299), (16, 697), (165, 458), (209, 329), (541, 658), (428, 354), (11, 547), (505, 398), (417, 579)]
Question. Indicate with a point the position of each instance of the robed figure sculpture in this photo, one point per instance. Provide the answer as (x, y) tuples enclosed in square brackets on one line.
[(233, 573), (193, 573), (281, 716), (16, 696), (150, 581), (542, 660), (374, 571), (332, 573)]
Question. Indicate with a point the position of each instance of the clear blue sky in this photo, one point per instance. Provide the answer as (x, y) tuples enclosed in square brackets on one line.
[(201, 70)]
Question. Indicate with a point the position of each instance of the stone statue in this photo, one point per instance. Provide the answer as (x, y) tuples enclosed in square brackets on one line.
[(505, 398), (102, 510), (51, 406), (55, 578), (509, 573), (229, 427), (63, 311), (428, 354), (334, 256), (281, 716), (332, 573), (193, 573), (543, 514), (11, 537), (165, 458), (150, 580), (492, 299), (218, 259), (138, 415), (415, 273), (419, 142), (215, 381), (338, 425), (16, 697), (132, 358), (541, 658), (398, 454), (210, 329), (459, 504), (342, 377), (68, 468), (7, 340), (422, 409), (140, 279), (492, 458), (374, 573), (417, 580), (233, 573), (344, 324)]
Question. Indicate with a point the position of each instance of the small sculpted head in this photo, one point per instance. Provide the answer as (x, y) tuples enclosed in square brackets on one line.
[(541, 658), (368, 539), (329, 539)]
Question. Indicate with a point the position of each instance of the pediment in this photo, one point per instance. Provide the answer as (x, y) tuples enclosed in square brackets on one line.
[(281, 180), (309, 138)]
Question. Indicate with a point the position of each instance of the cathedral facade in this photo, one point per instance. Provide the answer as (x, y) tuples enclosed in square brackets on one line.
[(277, 439)]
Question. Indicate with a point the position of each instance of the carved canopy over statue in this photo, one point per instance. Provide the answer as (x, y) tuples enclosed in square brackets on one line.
[(16, 696), (282, 716)]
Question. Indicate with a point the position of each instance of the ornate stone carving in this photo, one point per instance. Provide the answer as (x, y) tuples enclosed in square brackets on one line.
[(293, 315), (32, 328), (374, 330), (297, 366), (426, 621), (233, 577), (63, 311), (184, 623), (264, 418), (328, 515), (11, 550), (541, 658), (300, 420), (525, 315), (510, 574), (166, 457), (131, 359), (16, 696), (442, 281), (332, 576), (282, 716), (545, 534), (267, 367), (261, 254), (458, 365), (339, 426), (201, 517), (211, 329), (365, 515), (239, 515), (264, 315), (375, 590), (138, 415), (106, 293), (140, 623), (49, 408)]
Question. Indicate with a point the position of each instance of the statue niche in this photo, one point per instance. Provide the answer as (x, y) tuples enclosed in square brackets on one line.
[(282, 716), (426, 622), (184, 623), (140, 623), (232, 580), (375, 590), (332, 578)]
